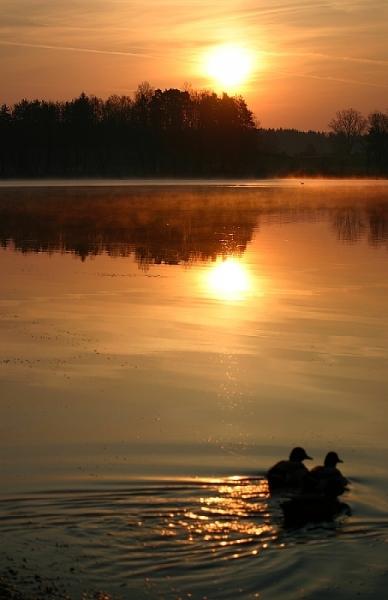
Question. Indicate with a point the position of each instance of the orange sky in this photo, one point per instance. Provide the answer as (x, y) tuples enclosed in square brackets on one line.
[(312, 58)]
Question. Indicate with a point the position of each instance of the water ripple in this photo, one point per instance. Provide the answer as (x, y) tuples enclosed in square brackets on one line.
[(158, 532)]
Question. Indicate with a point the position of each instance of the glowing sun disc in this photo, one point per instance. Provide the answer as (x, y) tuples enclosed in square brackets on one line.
[(229, 66)]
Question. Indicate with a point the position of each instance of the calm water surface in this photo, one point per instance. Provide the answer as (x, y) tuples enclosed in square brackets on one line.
[(160, 347)]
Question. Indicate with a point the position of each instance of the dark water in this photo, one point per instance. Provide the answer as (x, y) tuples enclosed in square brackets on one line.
[(160, 348)]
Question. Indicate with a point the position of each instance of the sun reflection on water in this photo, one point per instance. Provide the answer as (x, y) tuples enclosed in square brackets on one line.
[(234, 518), (228, 280)]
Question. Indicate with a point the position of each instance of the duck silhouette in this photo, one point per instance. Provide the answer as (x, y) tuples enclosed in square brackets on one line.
[(326, 478), (318, 498), (291, 473)]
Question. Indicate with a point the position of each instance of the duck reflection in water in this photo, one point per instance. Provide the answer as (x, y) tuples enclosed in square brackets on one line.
[(318, 499)]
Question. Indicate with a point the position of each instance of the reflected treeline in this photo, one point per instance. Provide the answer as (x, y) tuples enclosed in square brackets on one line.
[(174, 225), (354, 223), (168, 226)]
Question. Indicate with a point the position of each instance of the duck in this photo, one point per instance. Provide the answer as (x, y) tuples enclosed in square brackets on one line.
[(326, 478), (291, 473), (317, 499)]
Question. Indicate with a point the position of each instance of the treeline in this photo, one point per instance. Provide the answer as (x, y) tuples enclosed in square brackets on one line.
[(175, 133), (157, 133), (355, 145)]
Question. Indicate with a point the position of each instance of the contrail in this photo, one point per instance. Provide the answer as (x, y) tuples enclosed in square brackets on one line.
[(355, 59), (335, 79), (340, 80), (75, 49)]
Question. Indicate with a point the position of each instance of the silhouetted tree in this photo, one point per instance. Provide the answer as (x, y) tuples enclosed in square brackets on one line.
[(174, 133), (5, 138), (377, 140), (348, 125)]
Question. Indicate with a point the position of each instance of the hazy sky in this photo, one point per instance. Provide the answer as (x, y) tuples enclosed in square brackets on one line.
[(312, 57)]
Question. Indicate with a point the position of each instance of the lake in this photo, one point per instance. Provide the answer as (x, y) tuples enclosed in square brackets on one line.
[(162, 345)]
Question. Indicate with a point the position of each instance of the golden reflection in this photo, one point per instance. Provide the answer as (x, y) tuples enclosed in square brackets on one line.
[(229, 280), (234, 514)]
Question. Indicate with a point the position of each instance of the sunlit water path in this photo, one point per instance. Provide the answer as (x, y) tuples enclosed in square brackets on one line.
[(160, 348)]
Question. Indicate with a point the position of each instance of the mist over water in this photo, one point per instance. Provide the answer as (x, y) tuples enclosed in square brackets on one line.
[(160, 348)]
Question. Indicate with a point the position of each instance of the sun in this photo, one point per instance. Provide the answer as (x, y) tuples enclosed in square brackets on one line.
[(229, 65)]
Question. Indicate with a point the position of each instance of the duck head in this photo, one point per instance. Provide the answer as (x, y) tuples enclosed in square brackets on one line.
[(332, 459), (299, 455)]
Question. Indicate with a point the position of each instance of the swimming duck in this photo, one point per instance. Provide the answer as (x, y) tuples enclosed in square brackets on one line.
[(327, 479), (289, 473)]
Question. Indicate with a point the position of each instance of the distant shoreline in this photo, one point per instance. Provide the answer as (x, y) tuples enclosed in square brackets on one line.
[(165, 182)]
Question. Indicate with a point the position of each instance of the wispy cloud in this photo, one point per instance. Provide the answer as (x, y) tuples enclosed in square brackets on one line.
[(76, 49), (343, 80), (342, 43), (277, 75), (320, 55)]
